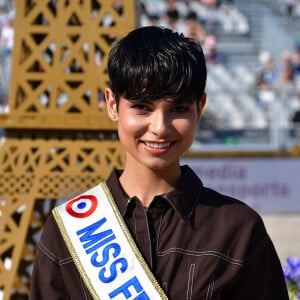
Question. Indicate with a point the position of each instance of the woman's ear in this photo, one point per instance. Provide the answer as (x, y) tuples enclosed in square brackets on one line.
[(111, 104), (201, 105)]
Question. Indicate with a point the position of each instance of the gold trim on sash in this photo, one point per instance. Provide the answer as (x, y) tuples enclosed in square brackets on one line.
[(131, 242), (74, 255), (126, 234)]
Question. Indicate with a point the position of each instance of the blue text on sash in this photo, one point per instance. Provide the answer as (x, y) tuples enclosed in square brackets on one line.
[(100, 246)]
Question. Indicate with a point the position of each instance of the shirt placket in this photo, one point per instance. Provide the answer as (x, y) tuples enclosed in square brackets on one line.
[(142, 233)]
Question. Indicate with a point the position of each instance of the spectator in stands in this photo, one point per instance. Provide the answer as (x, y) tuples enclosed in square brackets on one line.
[(296, 59), (6, 47), (284, 83), (147, 19), (210, 14), (296, 117), (266, 75), (285, 70), (212, 55), (180, 6), (288, 8), (3, 84), (296, 67), (3, 15), (173, 21), (267, 72), (155, 7), (193, 28)]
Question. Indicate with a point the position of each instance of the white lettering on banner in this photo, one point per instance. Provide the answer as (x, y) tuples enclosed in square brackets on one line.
[(266, 184), (104, 254)]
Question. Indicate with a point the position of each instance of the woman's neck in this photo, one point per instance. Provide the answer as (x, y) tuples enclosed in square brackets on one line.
[(145, 184)]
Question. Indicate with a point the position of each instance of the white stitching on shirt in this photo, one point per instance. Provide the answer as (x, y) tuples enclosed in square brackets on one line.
[(165, 286), (189, 292), (149, 239), (210, 288), (217, 254), (158, 232), (202, 253), (134, 219), (52, 257), (46, 251)]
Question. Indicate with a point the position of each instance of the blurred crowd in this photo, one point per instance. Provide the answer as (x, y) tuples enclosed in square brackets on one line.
[(202, 20), (275, 78), (198, 19), (289, 8), (280, 79), (6, 47)]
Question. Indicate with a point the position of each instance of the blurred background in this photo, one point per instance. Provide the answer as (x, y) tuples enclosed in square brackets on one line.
[(253, 56), (247, 144)]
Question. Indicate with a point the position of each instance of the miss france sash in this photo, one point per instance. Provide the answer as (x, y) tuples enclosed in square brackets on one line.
[(103, 250)]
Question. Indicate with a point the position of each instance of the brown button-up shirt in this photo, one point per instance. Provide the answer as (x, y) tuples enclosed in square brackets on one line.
[(199, 244)]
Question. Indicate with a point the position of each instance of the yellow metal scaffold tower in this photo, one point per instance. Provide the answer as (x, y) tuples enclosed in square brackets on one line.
[(58, 141)]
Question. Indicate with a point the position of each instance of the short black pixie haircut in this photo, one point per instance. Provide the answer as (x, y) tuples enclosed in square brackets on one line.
[(152, 63)]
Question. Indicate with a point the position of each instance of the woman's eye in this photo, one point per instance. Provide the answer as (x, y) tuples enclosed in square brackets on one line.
[(141, 107), (181, 109)]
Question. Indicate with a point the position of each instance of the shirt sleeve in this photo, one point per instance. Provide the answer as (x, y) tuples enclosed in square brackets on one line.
[(261, 278), (47, 279)]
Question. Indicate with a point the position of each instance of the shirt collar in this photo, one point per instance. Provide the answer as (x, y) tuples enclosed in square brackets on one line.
[(183, 198), (186, 193)]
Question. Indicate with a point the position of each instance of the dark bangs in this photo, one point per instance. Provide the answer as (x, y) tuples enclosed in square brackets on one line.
[(157, 66)]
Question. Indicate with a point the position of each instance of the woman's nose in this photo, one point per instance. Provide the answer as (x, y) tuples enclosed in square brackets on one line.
[(160, 123)]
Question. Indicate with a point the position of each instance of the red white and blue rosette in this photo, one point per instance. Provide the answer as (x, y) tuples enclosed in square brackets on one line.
[(82, 206)]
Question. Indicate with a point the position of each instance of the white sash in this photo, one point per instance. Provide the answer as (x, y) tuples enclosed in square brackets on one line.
[(103, 250)]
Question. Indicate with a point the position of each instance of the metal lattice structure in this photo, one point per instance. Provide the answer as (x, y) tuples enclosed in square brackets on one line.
[(59, 140)]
